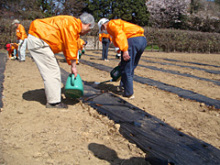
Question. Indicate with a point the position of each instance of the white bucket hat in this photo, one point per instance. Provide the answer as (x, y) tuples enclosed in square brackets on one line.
[(101, 22), (15, 21)]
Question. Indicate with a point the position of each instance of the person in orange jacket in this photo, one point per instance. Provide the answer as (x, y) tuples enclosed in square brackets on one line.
[(52, 35), (106, 39), (12, 50), (81, 49), (130, 39), (118, 52), (14, 46), (22, 39), (82, 45)]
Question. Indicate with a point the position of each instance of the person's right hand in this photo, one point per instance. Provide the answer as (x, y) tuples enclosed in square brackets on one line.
[(73, 68), (126, 56)]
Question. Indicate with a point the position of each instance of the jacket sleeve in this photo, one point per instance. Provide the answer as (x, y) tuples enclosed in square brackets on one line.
[(118, 35), (70, 44)]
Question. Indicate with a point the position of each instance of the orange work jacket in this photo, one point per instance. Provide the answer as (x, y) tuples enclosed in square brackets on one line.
[(61, 33), (104, 35), (81, 42), (20, 32), (121, 30)]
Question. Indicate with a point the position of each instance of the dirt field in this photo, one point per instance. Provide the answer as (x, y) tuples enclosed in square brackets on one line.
[(32, 134)]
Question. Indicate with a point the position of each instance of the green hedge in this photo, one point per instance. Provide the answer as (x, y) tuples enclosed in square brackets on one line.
[(168, 40), (171, 40)]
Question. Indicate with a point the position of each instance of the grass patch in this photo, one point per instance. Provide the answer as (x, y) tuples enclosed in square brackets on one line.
[(153, 47)]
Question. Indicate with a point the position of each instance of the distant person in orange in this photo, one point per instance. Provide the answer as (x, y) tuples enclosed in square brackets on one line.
[(118, 52), (14, 46), (53, 35), (105, 38), (130, 39), (82, 45), (81, 49), (22, 39), (12, 49)]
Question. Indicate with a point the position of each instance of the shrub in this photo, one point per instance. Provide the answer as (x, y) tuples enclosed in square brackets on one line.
[(168, 40), (171, 40)]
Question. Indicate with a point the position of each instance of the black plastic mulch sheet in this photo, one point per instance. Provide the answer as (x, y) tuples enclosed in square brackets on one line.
[(162, 143), (172, 64), (159, 140), (163, 86), (216, 82), (196, 63), (3, 59)]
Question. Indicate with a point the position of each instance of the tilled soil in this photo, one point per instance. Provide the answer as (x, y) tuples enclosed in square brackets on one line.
[(32, 134)]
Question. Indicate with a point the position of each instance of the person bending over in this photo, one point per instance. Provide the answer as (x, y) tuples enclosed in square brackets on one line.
[(130, 39), (52, 35)]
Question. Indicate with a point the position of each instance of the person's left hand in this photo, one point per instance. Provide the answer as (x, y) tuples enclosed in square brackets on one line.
[(126, 56)]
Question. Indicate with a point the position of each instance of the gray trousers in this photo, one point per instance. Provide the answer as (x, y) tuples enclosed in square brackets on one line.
[(21, 49), (48, 67)]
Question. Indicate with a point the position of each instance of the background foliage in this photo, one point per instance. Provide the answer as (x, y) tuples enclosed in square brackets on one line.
[(171, 25), (134, 11), (172, 40)]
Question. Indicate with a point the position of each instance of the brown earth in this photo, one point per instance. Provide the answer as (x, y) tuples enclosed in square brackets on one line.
[(32, 134)]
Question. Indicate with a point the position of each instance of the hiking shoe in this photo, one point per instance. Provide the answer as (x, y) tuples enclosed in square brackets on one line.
[(57, 105), (129, 97)]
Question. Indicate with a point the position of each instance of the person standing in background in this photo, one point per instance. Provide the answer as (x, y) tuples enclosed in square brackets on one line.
[(81, 49), (82, 45), (105, 38), (22, 39)]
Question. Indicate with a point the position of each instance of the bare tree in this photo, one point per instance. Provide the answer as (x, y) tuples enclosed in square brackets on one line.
[(73, 7), (200, 15), (167, 13)]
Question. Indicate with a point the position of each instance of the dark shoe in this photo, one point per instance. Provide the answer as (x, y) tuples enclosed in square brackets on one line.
[(57, 105)]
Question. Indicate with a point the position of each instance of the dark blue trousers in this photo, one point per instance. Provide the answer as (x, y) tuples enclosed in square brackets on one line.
[(135, 50), (105, 45)]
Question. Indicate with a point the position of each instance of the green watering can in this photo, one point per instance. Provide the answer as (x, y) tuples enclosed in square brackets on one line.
[(116, 73), (74, 86), (83, 51)]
